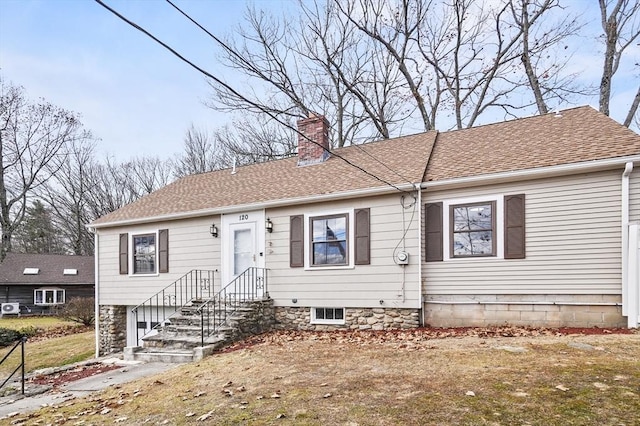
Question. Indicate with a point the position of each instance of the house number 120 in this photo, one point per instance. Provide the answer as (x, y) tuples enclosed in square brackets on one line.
[(244, 217)]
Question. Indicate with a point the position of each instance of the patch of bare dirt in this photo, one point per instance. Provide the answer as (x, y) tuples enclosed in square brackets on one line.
[(72, 375)]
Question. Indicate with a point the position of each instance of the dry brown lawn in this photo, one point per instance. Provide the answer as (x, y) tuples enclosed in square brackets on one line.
[(383, 379)]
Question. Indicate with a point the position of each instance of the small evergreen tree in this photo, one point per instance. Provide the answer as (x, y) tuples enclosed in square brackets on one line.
[(37, 233)]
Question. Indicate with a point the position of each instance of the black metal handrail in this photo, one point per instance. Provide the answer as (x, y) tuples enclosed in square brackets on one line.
[(20, 343), (195, 285), (248, 286)]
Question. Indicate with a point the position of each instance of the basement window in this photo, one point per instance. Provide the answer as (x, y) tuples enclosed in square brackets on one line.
[(327, 315)]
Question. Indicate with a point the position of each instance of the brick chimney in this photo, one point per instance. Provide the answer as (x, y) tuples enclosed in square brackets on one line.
[(315, 150)]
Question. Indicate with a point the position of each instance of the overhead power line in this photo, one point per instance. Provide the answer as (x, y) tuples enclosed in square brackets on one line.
[(231, 89)]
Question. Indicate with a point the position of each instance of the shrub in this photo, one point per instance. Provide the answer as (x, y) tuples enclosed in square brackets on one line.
[(8, 336), (79, 309), (29, 331)]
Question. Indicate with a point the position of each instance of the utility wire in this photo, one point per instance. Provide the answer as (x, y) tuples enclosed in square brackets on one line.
[(233, 91), (233, 52)]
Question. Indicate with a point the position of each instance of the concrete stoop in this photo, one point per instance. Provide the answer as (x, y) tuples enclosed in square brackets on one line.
[(174, 356), (180, 341)]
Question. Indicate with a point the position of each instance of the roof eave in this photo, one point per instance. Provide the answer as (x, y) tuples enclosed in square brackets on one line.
[(535, 173), (335, 196)]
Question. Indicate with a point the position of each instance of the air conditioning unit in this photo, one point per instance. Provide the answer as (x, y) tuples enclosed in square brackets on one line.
[(10, 309)]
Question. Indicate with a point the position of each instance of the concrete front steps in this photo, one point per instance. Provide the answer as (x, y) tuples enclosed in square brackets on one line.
[(180, 340)]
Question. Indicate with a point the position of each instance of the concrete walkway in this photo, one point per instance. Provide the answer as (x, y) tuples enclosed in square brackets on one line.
[(37, 396)]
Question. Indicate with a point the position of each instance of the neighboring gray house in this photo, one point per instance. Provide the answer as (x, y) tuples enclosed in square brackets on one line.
[(523, 222), (40, 283)]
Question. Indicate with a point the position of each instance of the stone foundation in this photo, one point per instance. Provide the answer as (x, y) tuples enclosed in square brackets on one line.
[(524, 310), (112, 329), (253, 318), (299, 318)]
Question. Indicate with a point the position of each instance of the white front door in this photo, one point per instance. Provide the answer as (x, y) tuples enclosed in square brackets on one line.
[(242, 248), (243, 243)]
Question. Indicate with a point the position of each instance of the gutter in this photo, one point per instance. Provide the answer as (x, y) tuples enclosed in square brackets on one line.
[(536, 173), (408, 187)]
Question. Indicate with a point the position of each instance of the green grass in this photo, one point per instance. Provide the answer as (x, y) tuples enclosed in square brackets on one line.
[(54, 352), (49, 352), (43, 322)]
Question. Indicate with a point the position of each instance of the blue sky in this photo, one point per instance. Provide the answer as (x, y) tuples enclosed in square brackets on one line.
[(132, 93)]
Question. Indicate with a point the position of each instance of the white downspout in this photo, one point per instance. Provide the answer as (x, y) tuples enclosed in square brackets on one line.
[(633, 276), (628, 168), (420, 240), (96, 260)]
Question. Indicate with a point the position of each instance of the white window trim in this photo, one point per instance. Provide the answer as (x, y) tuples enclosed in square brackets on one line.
[(499, 231), (315, 320), (55, 291), (131, 251), (307, 239)]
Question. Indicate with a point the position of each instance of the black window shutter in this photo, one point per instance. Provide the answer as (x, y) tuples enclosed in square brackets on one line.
[(363, 245), (296, 241), (433, 232), (163, 250), (514, 236), (124, 254)]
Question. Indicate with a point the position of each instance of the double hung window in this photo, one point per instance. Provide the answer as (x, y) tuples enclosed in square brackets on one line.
[(329, 240), (473, 229), (144, 253)]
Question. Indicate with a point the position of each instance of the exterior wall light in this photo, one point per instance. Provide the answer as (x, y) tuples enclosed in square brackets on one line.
[(268, 225), (214, 230)]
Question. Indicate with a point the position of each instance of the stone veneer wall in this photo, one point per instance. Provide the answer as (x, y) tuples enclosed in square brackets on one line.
[(112, 329), (252, 318), (299, 318), (540, 310)]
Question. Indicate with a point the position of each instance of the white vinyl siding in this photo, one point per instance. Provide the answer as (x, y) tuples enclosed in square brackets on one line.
[(191, 246), (360, 285), (573, 241), (634, 195)]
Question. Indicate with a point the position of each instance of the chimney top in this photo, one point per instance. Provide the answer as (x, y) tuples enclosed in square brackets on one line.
[(313, 140)]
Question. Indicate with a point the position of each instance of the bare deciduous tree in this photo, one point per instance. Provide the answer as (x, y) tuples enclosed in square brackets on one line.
[(32, 135), (377, 68), (200, 155), (620, 21), (115, 184), (68, 193), (248, 142)]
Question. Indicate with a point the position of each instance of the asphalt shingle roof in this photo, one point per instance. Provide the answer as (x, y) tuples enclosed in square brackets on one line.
[(576, 135), (396, 161), (51, 267)]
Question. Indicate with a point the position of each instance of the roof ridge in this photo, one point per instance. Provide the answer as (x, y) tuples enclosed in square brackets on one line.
[(520, 119)]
